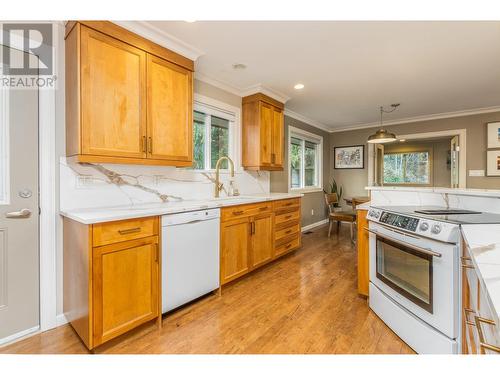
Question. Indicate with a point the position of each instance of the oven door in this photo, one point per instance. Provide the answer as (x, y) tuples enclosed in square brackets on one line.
[(417, 273)]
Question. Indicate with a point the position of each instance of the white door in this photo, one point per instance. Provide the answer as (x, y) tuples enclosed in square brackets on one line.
[(19, 212), (454, 161)]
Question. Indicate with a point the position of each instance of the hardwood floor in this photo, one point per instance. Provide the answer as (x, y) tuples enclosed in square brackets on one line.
[(306, 302)]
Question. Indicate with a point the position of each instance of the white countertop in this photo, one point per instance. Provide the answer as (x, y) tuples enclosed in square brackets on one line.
[(439, 190), (103, 214), (484, 246)]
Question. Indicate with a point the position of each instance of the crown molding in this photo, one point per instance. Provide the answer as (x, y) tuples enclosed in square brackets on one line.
[(260, 88), (148, 31), (307, 120), (219, 84), (436, 116)]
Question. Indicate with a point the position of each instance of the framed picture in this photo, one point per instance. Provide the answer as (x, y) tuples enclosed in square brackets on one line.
[(349, 157), (493, 163), (493, 134)]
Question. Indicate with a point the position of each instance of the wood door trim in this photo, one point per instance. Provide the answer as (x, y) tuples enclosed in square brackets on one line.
[(135, 40)]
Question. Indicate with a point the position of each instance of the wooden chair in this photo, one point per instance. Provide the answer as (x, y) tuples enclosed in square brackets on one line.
[(347, 216)]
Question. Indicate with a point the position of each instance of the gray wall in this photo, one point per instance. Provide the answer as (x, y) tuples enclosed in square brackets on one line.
[(310, 201), (354, 181)]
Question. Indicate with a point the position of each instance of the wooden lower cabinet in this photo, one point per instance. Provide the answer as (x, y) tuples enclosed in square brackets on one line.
[(110, 289), (262, 240), (250, 241), (235, 249), (125, 287), (363, 253)]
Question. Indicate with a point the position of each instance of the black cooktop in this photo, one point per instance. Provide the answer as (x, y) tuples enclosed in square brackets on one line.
[(450, 215)]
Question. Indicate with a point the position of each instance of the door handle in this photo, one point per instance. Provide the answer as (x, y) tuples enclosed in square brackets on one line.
[(23, 213)]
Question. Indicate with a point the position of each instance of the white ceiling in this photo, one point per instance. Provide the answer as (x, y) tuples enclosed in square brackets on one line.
[(349, 69)]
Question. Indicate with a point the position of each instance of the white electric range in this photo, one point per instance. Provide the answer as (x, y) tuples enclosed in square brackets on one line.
[(414, 276)]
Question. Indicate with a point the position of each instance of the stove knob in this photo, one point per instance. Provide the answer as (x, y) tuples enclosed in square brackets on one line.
[(436, 229), (424, 226)]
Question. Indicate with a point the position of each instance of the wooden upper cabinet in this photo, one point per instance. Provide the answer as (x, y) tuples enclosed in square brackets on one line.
[(263, 133), (112, 91), (170, 114), (278, 137), (128, 100)]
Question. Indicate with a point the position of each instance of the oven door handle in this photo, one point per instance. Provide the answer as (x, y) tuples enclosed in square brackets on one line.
[(416, 248)]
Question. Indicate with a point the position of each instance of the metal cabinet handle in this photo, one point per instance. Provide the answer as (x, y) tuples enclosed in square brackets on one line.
[(416, 248), (237, 212), (144, 144), (22, 214), (129, 231), (482, 342), (464, 264), (150, 146)]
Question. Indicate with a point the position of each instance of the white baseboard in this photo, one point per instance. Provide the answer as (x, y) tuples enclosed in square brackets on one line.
[(61, 320), (19, 335), (314, 225)]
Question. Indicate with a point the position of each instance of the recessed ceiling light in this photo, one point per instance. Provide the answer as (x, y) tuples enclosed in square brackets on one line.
[(298, 86), (190, 21), (402, 140), (239, 66)]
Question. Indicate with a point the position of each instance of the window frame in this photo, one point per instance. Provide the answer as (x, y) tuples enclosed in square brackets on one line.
[(213, 107), (430, 153), (304, 136)]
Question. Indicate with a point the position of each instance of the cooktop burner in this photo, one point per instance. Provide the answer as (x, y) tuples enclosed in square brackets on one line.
[(446, 212), (450, 215)]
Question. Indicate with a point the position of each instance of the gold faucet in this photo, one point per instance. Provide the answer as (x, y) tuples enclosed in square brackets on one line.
[(218, 185)]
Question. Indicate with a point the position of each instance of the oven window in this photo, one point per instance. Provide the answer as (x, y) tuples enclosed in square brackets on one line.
[(405, 270)]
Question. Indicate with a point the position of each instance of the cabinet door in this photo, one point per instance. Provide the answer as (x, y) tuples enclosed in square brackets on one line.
[(125, 287), (235, 248), (262, 239), (170, 115), (277, 137), (266, 132), (113, 93)]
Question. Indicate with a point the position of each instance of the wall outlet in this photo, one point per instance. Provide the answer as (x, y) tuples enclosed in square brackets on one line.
[(312, 211), (476, 172), (84, 181)]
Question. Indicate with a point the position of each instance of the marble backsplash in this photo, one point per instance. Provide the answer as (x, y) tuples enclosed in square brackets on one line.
[(442, 199), (102, 185)]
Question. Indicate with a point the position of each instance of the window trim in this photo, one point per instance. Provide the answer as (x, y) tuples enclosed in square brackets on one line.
[(416, 149), (220, 109), (305, 136)]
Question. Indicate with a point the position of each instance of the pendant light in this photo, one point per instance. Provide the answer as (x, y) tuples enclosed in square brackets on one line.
[(382, 135)]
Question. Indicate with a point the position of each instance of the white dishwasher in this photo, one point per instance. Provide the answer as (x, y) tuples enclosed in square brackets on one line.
[(190, 256)]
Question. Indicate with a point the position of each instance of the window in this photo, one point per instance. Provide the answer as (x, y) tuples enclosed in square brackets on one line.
[(213, 136), (411, 168), (305, 160)]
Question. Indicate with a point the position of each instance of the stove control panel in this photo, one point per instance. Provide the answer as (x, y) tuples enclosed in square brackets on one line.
[(399, 221)]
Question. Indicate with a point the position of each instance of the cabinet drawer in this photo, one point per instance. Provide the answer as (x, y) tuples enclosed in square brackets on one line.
[(286, 203), (245, 210), (289, 216), (288, 231), (118, 231), (290, 244)]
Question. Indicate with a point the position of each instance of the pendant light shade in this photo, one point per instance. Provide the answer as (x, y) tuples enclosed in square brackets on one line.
[(382, 136)]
